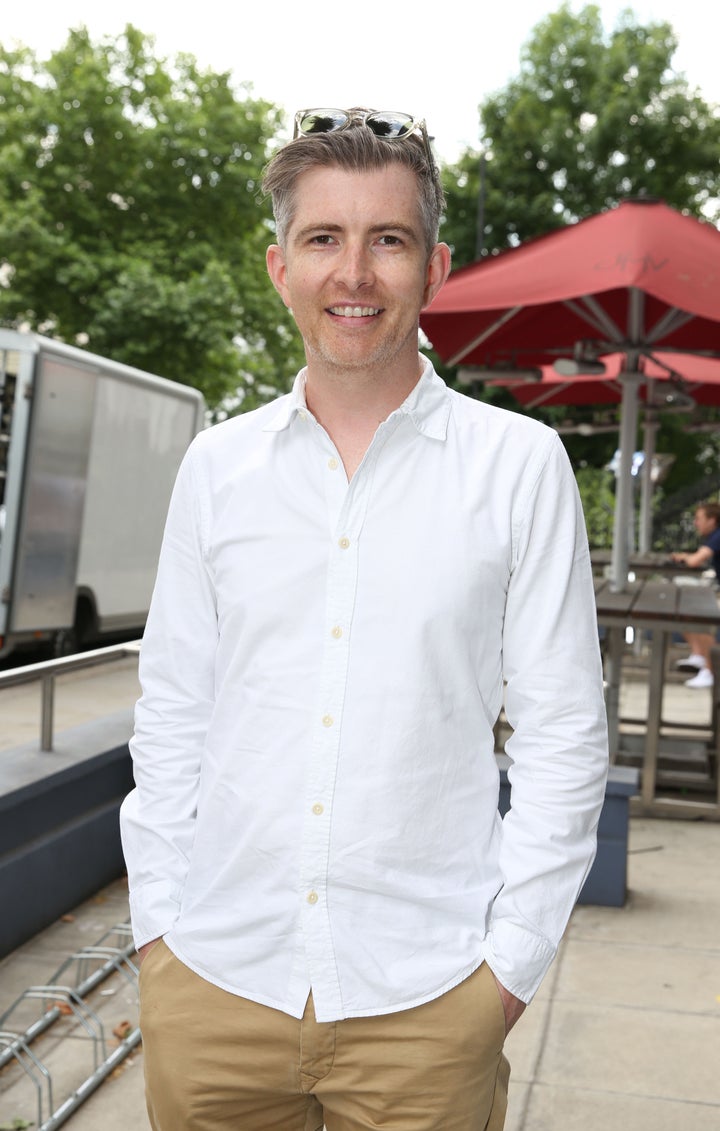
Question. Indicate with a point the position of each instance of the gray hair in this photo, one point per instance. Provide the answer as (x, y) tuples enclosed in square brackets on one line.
[(357, 149)]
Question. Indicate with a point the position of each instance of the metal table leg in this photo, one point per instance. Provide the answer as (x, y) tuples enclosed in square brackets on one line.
[(613, 667), (658, 653)]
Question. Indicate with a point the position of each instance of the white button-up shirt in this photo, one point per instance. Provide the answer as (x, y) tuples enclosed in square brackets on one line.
[(316, 784)]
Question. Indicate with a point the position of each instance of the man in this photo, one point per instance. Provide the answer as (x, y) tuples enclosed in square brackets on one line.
[(707, 524), (349, 576)]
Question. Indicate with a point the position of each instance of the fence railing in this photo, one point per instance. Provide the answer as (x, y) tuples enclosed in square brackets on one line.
[(47, 672)]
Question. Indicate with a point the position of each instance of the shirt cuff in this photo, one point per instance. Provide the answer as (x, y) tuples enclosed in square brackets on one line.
[(153, 909), (518, 958)]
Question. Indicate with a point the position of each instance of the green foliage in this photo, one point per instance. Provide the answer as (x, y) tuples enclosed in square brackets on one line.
[(596, 487), (590, 119), (130, 211), (130, 217)]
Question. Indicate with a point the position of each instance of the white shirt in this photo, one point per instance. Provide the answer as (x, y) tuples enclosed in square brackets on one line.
[(316, 785)]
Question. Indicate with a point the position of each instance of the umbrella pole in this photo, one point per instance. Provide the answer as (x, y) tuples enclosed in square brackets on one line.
[(624, 490), (650, 429)]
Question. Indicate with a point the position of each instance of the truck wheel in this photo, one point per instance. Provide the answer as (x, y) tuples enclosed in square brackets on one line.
[(71, 640), (66, 642)]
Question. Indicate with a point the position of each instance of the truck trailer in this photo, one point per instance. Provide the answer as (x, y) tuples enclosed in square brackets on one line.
[(89, 451)]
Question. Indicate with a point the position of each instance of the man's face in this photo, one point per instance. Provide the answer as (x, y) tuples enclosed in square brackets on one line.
[(703, 523), (355, 270)]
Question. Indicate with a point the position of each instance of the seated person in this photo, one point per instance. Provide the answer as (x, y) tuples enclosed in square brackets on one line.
[(707, 524)]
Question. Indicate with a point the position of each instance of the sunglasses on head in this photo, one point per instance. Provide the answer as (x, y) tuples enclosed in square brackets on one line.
[(389, 124)]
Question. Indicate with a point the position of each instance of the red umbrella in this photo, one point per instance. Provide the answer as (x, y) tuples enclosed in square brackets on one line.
[(632, 280), (639, 275), (682, 376)]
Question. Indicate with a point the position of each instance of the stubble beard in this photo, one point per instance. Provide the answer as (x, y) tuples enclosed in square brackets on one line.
[(379, 359)]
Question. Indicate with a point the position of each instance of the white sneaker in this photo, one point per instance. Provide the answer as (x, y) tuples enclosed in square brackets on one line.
[(691, 663), (704, 678)]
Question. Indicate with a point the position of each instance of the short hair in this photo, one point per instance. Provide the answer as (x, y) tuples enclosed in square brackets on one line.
[(712, 510), (357, 149)]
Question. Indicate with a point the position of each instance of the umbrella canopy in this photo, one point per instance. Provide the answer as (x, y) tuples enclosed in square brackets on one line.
[(637, 276), (633, 280), (682, 375)]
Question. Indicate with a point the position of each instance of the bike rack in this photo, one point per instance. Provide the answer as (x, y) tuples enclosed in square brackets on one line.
[(59, 1000)]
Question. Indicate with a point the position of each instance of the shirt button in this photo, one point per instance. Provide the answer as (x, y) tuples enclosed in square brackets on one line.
[(318, 809), (344, 543), (327, 720), (336, 632), (313, 897), (302, 415), (333, 463)]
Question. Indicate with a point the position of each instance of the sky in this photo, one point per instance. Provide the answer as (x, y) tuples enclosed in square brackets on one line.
[(434, 61)]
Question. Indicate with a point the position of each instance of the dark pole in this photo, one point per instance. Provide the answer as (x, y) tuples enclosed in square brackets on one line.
[(480, 229)]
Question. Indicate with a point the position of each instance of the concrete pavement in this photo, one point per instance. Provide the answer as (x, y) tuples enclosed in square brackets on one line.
[(624, 1032)]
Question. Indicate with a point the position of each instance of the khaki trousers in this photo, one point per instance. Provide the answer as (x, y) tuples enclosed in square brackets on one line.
[(217, 1061)]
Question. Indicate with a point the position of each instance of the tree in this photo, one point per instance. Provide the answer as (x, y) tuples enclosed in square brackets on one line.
[(130, 217), (590, 119)]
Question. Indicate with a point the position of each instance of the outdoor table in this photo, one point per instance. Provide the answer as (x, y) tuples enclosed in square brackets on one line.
[(660, 608), (652, 563)]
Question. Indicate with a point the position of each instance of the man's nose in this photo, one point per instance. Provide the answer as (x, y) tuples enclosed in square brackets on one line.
[(355, 267)]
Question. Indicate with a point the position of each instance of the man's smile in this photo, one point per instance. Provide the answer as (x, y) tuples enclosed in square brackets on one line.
[(354, 311)]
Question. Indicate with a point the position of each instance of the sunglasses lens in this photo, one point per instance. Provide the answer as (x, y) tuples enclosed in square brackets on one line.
[(383, 123), (390, 125), (322, 121)]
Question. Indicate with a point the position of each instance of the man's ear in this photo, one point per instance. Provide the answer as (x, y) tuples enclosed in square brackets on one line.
[(438, 269), (277, 270)]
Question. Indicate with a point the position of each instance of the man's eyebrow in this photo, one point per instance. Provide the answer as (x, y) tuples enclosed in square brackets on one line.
[(317, 226), (375, 229), (396, 226)]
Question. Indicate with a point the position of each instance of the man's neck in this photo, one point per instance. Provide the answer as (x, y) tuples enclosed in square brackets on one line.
[(350, 406)]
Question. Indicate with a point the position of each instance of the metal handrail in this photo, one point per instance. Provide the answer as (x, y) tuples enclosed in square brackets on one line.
[(47, 672)]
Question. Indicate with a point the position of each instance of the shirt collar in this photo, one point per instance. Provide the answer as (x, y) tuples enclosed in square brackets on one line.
[(428, 405), (289, 406)]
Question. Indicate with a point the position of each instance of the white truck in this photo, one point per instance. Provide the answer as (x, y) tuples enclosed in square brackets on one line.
[(89, 451)]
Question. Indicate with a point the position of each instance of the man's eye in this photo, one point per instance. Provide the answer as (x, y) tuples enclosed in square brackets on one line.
[(390, 241), (322, 239)]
